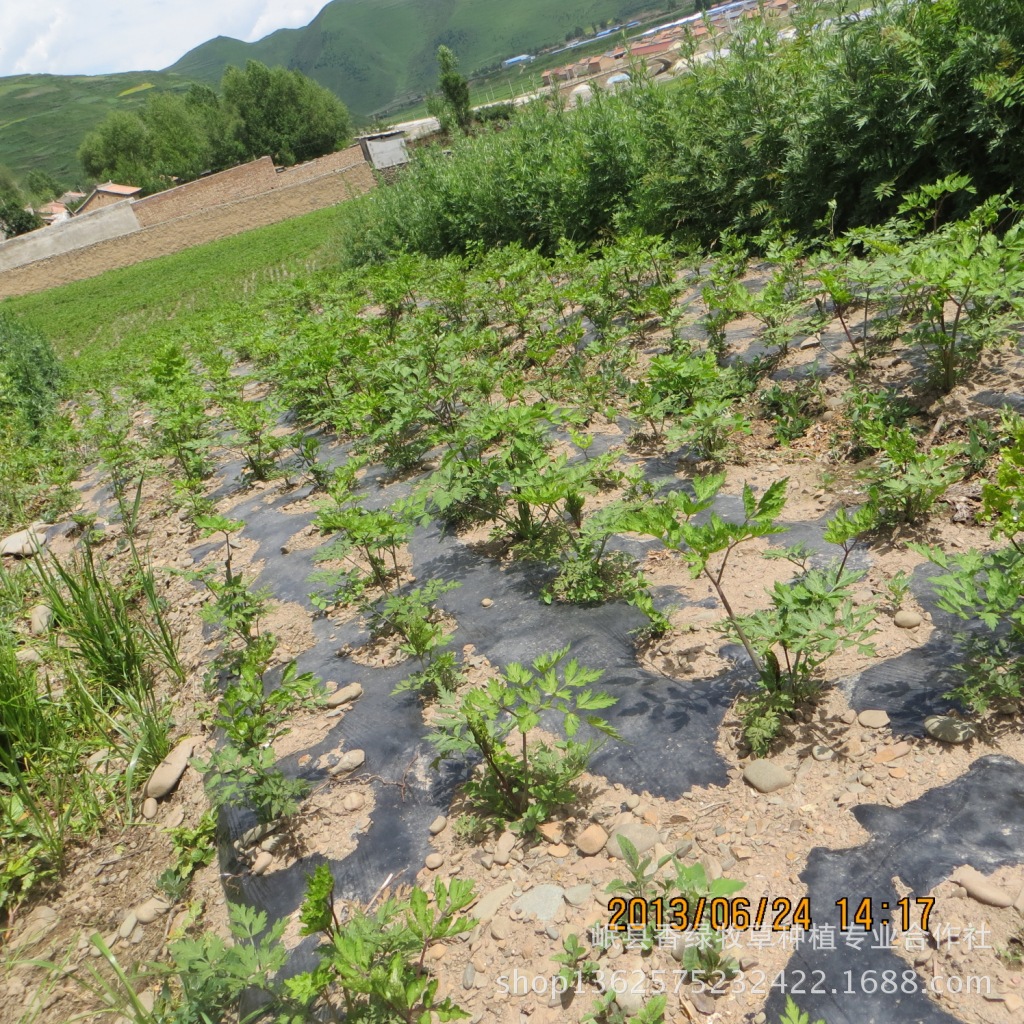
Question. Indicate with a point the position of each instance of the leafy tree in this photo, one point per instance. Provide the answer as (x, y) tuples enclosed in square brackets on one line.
[(454, 97), (42, 185), (283, 114), (181, 146), (265, 111), (220, 124), (120, 148), (15, 219), (8, 186)]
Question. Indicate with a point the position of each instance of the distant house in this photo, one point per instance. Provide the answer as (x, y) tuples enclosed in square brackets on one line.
[(599, 65), (106, 195), (652, 49), (53, 213), (70, 198), (557, 75), (523, 58)]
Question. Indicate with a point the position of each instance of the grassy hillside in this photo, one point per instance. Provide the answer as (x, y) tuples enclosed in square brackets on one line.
[(43, 118), (376, 53)]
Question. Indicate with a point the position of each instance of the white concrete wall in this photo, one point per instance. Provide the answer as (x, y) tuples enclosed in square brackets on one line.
[(95, 226)]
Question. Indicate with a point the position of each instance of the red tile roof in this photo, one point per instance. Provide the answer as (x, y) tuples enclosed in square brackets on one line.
[(118, 190)]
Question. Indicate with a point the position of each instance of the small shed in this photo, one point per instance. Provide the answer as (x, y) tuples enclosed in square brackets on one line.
[(106, 195), (384, 149)]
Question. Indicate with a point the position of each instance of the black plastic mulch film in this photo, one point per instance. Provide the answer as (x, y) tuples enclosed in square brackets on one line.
[(669, 731)]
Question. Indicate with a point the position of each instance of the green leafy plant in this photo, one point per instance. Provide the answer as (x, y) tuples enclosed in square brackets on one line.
[(870, 415), (906, 482), (707, 546), (524, 781), (243, 770), (607, 1011), (255, 425), (667, 880), (372, 961), (415, 618), (235, 608), (794, 1015), (368, 542), (810, 617), (808, 620), (179, 401), (985, 587), (791, 411), (121, 457), (898, 586), (708, 429), (958, 282), (575, 962), (210, 973)]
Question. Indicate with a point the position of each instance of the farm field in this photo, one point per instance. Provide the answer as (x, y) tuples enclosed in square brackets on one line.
[(507, 575)]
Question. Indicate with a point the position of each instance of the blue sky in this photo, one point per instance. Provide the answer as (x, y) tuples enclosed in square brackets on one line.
[(67, 38)]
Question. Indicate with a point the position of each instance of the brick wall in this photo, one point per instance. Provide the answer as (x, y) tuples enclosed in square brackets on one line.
[(288, 199), (224, 187), (314, 168)]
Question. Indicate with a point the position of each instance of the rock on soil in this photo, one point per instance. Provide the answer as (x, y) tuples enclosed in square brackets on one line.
[(149, 911), (349, 762), (907, 619), (36, 926), (873, 719), (262, 863), (766, 776), (643, 837), (591, 840), (488, 905), (949, 729), (23, 544), (39, 619), (980, 888), (503, 851), (578, 895), (345, 695), (542, 902), (167, 773), (437, 825)]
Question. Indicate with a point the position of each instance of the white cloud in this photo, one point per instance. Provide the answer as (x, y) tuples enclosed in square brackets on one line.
[(61, 37), (294, 14)]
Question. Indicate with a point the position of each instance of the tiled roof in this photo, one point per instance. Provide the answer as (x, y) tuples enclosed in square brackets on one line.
[(118, 190)]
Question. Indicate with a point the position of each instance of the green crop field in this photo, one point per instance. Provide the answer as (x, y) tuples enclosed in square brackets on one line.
[(95, 324), (713, 391)]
